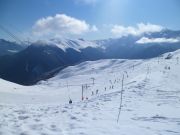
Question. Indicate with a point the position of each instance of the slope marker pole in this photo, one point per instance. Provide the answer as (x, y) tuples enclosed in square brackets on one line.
[(120, 105), (82, 96)]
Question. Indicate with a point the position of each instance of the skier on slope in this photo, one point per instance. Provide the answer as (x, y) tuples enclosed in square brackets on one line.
[(70, 101)]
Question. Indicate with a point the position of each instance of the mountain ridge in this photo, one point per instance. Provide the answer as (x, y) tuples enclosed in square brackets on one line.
[(40, 60)]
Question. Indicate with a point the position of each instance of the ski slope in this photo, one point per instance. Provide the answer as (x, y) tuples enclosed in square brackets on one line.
[(150, 103)]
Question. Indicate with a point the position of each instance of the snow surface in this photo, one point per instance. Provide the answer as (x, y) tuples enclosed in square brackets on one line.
[(150, 105)]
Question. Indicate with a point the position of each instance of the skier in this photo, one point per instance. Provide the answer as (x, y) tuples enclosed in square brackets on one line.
[(70, 101), (96, 91), (92, 93)]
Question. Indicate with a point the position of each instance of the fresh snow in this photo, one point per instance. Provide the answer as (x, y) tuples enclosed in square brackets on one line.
[(150, 104)]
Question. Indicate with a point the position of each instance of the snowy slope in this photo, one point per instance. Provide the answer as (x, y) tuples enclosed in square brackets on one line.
[(151, 100)]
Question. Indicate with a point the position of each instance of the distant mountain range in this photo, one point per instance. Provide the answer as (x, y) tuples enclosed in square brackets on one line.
[(9, 48), (42, 59)]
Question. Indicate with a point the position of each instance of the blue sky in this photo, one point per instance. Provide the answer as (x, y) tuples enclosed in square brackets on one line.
[(90, 19)]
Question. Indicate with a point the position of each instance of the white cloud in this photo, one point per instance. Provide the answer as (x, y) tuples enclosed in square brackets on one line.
[(94, 28), (61, 25), (145, 40), (141, 28)]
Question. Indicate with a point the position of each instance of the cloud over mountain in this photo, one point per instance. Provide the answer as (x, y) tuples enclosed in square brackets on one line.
[(141, 28), (61, 25), (145, 40)]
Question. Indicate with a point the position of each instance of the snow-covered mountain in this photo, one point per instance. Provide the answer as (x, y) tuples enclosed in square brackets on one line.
[(76, 44), (148, 45), (150, 101), (106, 44), (125, 41), (42, 59)]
